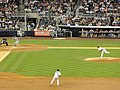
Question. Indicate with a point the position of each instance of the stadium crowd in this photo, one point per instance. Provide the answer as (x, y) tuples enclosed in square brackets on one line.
[(9, 8), (50, 7), (107, 11), (100, 6), (9, 23), (62, 12), (112, 33)]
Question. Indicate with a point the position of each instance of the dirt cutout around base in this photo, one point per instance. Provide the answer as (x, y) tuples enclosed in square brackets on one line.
[(103, 59)]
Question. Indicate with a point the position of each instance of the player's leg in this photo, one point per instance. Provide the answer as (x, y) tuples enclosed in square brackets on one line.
[(102, 54), (107, 51), (52, 81), (17, 43), (14, 44), (6, 43), (58, 82)]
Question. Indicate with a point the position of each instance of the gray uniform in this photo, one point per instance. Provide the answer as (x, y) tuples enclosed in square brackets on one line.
[(16, 41)]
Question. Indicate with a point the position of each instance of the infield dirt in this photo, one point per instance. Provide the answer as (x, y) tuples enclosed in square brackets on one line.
[(11, 81), (104, 59)]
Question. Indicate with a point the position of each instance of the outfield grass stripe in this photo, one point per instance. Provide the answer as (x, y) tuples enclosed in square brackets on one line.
[(6, 64), (19, 61)]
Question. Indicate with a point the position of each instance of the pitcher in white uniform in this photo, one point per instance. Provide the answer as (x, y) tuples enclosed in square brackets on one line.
[(56, 76), (102, 50)]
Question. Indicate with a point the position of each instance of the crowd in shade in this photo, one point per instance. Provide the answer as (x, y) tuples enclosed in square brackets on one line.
[(108, 10), (10, 23), (85, 6), (64, 12), (111, 20), (106, 13), (51, 7), (9, 8), (100, 6)]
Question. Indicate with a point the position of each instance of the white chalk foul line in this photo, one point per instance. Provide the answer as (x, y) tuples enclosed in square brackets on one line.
[(81, 47), (5, 55)]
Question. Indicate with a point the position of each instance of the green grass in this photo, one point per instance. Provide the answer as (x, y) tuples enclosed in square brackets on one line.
[(70, 61), (68, 43)]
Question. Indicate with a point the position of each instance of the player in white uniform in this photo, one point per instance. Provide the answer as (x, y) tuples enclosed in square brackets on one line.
[(102, 50), (16, 42), (56, 76)]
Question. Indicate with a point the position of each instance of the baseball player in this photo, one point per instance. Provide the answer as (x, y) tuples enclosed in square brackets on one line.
[(4, 41), (56, 76), (16, 42), (102, 50)]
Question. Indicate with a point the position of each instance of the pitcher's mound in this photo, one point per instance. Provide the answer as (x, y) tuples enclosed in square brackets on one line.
[(104, 59)]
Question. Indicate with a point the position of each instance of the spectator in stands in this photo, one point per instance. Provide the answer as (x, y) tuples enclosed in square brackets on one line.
[(28, 27), (91, 32)]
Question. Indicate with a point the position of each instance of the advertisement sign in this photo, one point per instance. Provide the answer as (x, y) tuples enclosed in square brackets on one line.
[(41, 33)]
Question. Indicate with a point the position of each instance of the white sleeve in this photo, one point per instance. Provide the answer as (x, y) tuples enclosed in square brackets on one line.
[(101, 49), (59, 73)]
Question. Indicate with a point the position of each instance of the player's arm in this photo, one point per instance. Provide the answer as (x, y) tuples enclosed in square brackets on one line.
[(59, 74)]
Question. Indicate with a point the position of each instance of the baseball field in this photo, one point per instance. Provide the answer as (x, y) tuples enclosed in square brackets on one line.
[(32, 65)]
